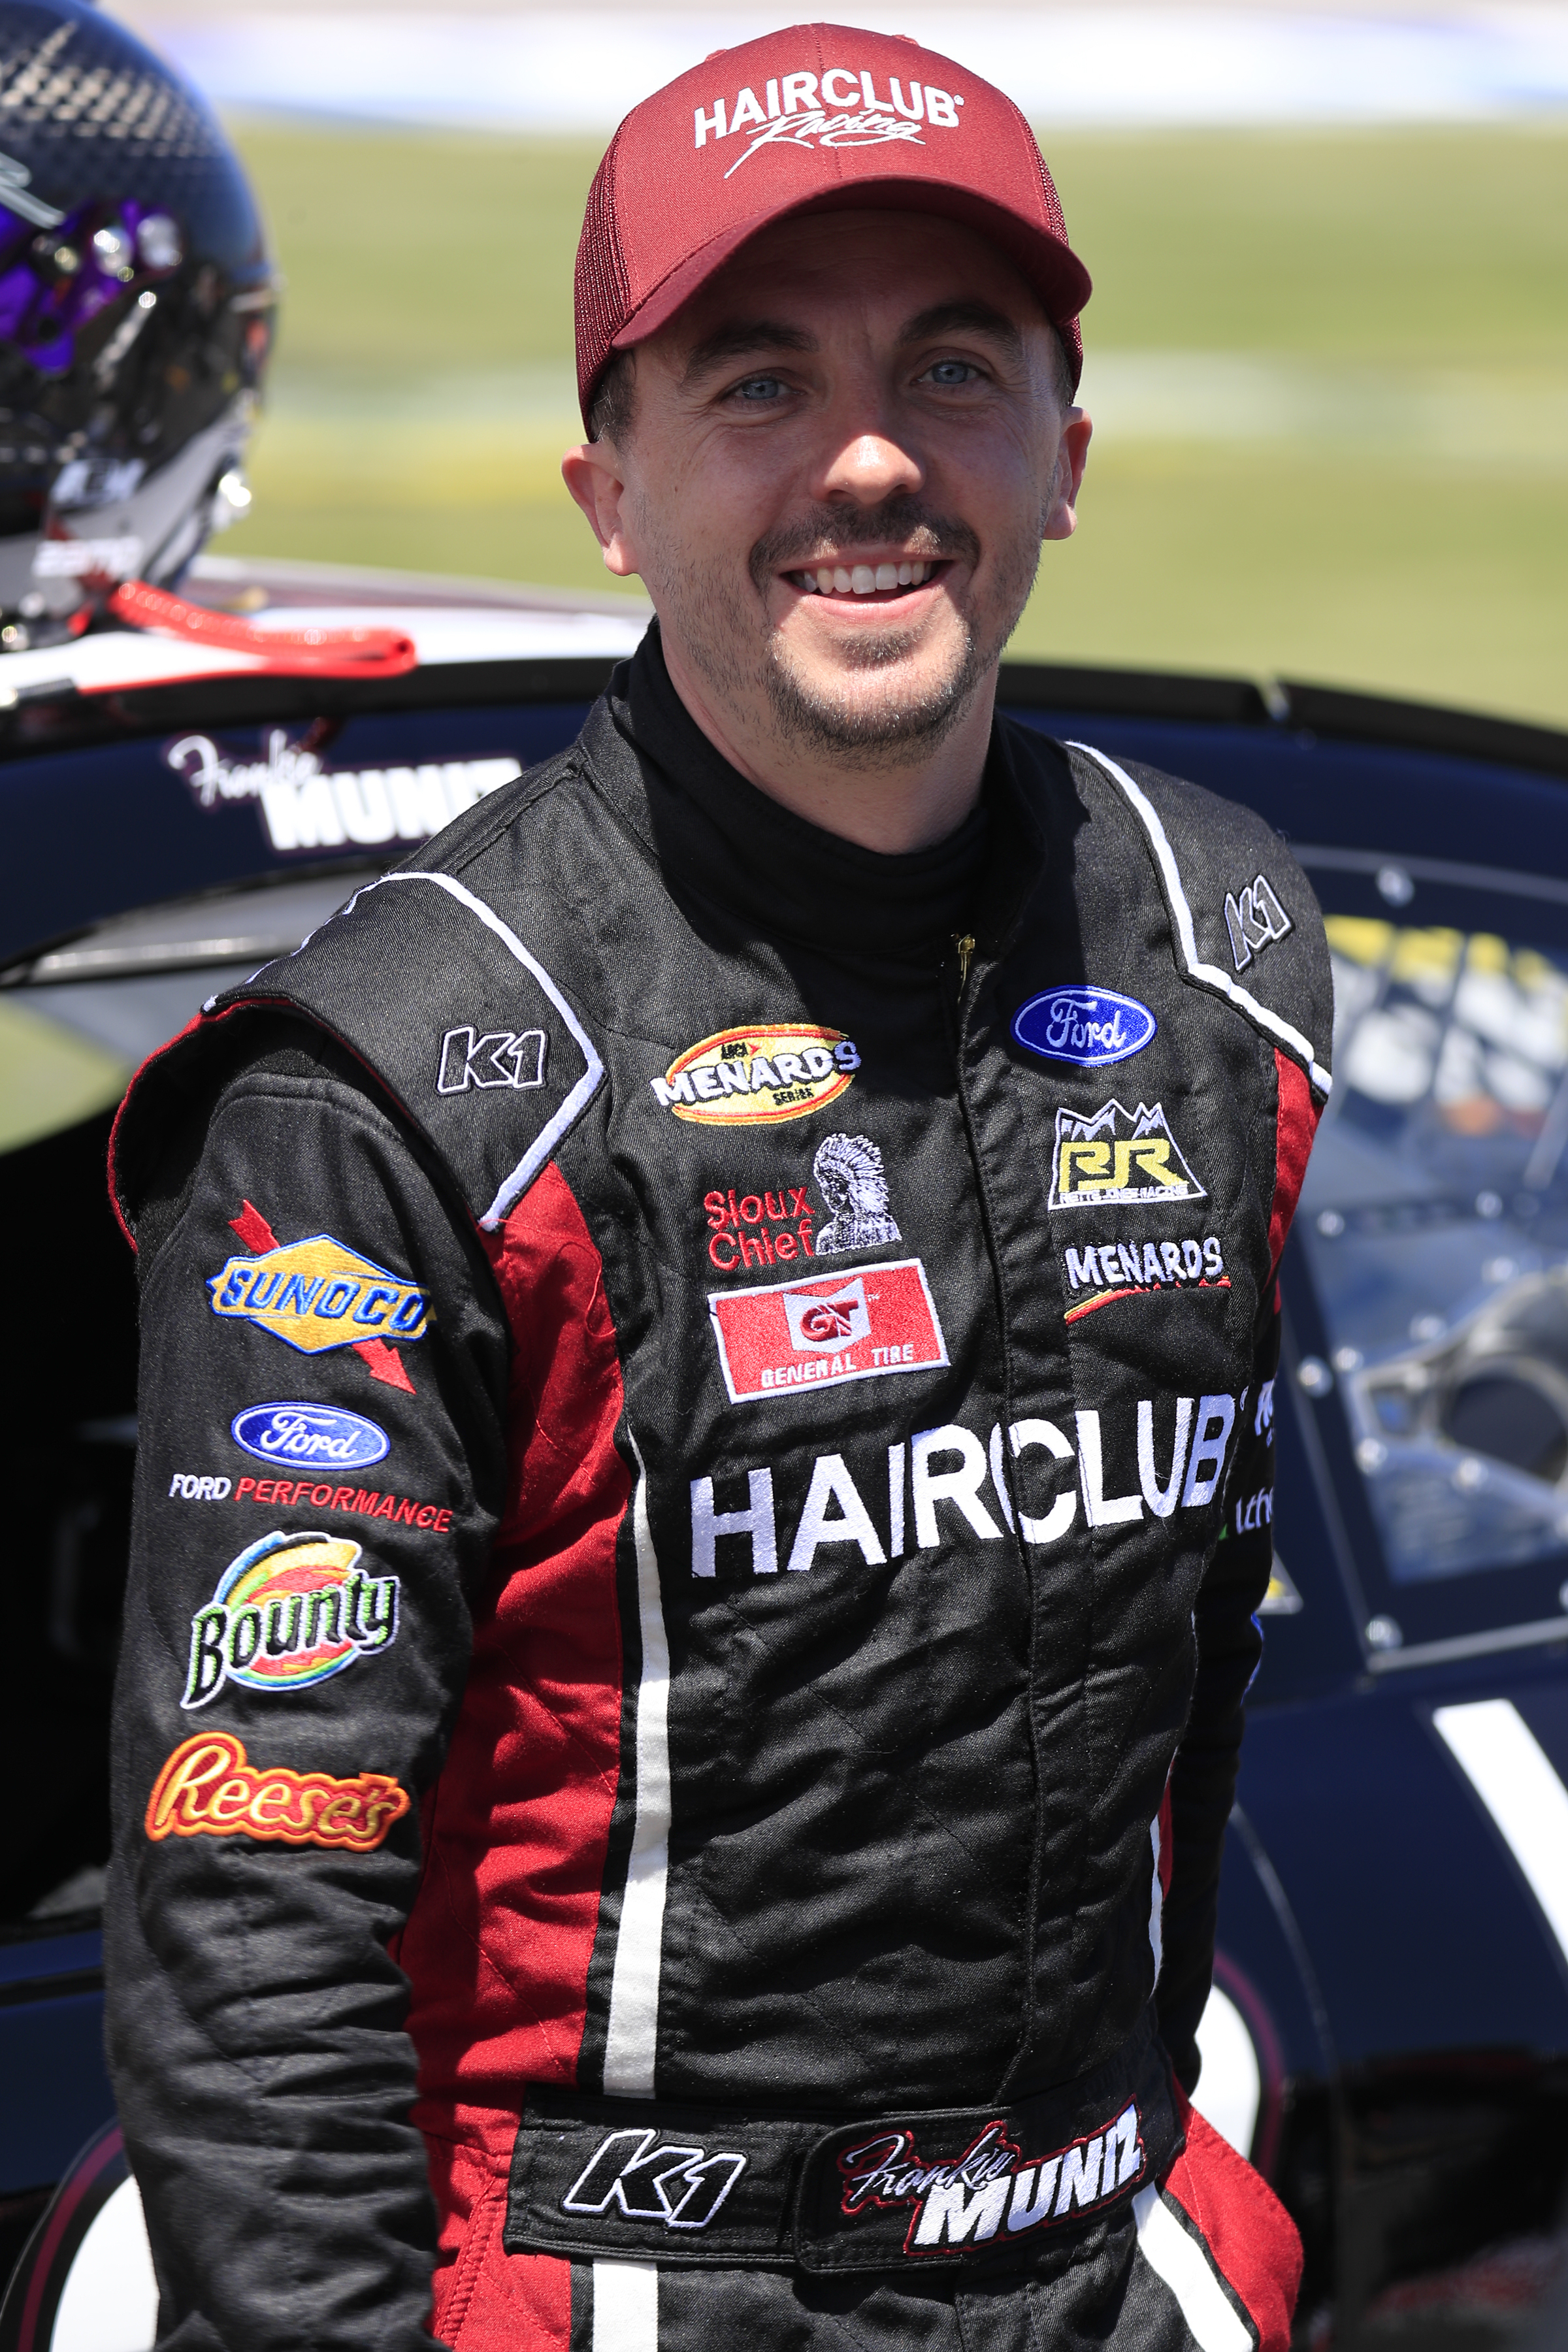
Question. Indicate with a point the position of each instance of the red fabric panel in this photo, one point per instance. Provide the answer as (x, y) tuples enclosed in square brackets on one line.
[(500, 1940), (1298, 1123), (1251, 2239), (487, 2300)]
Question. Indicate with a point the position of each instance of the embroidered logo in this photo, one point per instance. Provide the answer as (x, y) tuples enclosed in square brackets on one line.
[(192, 1488), (993, 2186), (798, 110), (290, 1612), (1116, 1158), (821, 1332), (316, 1295), (309, 1433), (650, 2179), (1130, 1270), (1091, 1026), (1255, 919), (500, 1057), (849, 1171), (770, 1238), (755, 1077), (368, 1502), (209, 1788)]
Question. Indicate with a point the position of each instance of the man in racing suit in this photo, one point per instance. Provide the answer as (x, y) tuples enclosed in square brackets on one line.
[(707, 1354)]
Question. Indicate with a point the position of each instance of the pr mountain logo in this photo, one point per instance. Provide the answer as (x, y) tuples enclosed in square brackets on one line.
[(1118, 1158)]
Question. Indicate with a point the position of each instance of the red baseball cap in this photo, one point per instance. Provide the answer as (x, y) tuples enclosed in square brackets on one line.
[(814, 119)]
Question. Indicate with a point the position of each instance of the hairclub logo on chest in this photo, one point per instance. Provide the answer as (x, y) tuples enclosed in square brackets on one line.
[(844, 108)]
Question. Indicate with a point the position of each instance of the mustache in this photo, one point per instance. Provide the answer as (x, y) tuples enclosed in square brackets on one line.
[(822, 537)]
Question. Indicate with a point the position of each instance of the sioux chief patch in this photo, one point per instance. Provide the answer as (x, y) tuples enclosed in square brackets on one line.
[(209, 1788), (1118, 1158), (755, 1077), (317, 1294)]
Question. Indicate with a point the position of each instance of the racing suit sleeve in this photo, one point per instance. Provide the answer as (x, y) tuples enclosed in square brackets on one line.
[(1203, 1779), (319, 1478)]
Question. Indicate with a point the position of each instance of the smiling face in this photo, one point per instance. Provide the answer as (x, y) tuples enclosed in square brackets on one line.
[(842, 456)]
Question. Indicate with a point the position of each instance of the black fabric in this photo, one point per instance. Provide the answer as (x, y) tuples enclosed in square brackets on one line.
[(941, 1626), (720, 835), (706, 2186)]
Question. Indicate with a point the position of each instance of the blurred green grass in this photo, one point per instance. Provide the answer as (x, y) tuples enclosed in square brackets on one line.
[(1329, 372)]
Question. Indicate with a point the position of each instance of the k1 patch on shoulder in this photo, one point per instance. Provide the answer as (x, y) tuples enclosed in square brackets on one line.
[(1091, 1026), (819, 1333), (317, 1294)]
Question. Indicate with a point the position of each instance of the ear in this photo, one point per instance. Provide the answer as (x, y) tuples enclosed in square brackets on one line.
[(592, 472), (1072, 455)]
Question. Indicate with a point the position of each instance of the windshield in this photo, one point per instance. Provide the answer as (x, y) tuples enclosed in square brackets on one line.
[(1435, 1220)]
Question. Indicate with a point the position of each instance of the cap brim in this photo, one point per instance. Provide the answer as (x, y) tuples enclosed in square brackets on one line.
[(1049, 266)]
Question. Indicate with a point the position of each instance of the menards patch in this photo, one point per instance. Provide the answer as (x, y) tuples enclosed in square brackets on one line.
[(755, 1077)]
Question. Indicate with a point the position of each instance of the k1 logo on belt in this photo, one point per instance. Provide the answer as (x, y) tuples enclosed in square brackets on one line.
[(651, 2179)]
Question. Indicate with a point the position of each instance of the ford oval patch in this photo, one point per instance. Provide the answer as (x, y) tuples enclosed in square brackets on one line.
[(309, 1433), (1091, 1026)]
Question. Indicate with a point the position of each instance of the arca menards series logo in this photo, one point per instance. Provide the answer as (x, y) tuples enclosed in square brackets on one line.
[(1118, 1158), (756, 1078)]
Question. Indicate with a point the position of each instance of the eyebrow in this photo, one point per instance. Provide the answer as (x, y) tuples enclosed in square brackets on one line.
[(737, 338), (963, 318)]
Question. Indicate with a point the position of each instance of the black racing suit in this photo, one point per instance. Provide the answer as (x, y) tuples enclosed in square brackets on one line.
[(704, 1391)]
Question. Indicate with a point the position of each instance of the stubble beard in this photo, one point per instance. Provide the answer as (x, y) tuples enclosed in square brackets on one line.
[(837, 716)]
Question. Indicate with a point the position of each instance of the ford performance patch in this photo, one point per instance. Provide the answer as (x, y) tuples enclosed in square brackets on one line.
[(316, 1295), (1091, 1026), (309, 1433)]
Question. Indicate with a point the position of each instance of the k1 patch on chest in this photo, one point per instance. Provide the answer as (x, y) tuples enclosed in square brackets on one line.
[(1088, 1027), (819, 1333)]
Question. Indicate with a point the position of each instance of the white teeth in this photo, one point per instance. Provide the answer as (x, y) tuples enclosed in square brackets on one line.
[(887, 576), (906, 574), (842, 581), (916, 573), (824, 580), (863, 580)]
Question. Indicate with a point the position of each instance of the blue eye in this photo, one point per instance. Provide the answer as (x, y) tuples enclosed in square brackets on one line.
[(760, 387), (950, 372)]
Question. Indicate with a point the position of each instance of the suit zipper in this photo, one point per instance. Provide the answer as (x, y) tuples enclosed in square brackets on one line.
[(965, 948)]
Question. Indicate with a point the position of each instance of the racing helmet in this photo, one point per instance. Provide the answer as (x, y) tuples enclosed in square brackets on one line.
[(136, 302)]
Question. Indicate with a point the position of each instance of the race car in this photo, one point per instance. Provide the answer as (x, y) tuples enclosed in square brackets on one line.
[(1387, 2038)]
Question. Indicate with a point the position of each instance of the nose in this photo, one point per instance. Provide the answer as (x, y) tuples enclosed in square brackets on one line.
[(869, 467)]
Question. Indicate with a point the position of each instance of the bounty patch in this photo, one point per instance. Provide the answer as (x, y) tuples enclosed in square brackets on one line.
[(1117, 1158), (290, 1612), (755, 1077)]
